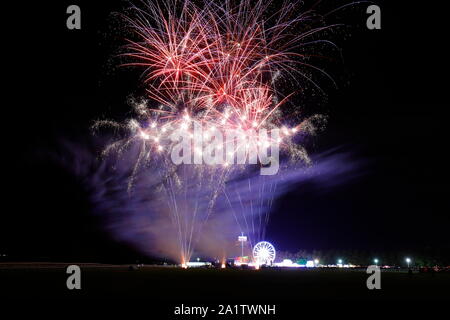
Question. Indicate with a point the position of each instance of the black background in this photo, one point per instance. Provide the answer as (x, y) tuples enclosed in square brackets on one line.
[(390, 112)]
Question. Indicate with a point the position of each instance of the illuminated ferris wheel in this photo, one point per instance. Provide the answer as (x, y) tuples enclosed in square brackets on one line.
[(264, 253)]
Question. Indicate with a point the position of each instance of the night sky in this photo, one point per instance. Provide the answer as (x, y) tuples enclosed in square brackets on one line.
[(387, 115)]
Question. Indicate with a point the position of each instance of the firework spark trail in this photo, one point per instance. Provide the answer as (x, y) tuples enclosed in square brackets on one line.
[(215, 66), (249, 197)]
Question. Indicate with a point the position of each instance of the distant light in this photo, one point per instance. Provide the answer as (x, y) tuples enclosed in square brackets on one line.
[(198, 259), (408, 260), (316, 261), (340, 261), (196, 264), (242, 238), (288, 263), (375, 260), (309, 264)]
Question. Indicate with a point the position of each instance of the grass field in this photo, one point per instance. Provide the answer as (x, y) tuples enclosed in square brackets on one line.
[(213, 285)]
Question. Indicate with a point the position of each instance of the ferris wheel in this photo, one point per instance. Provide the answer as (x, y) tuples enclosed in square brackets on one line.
[(264, 253)]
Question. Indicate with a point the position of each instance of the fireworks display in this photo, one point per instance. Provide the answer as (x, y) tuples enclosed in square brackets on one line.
[(211, 70)]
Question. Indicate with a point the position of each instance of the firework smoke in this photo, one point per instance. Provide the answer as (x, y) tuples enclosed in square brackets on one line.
[(141, 218)]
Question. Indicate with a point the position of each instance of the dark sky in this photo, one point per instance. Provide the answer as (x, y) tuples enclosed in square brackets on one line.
[(388, 114)]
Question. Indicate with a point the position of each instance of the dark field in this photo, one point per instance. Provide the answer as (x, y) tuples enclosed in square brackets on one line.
[(173, 285)]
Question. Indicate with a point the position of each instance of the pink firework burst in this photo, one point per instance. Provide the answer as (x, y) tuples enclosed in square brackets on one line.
[(219, 61)]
